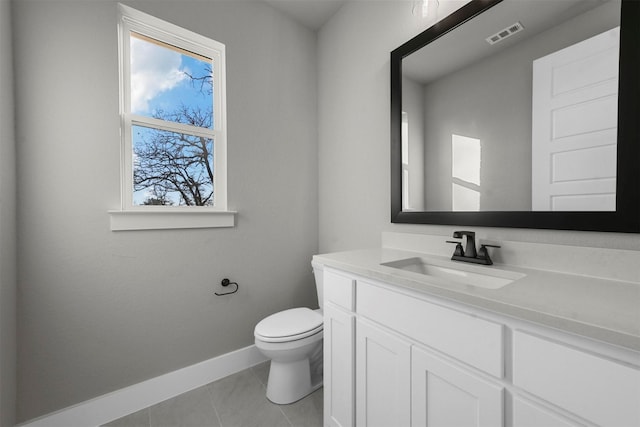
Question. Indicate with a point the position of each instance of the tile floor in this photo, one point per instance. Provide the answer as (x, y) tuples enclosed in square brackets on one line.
[(235, 401)]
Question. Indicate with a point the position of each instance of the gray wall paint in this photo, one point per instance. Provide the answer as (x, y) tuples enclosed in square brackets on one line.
[(353, 61), (471, 103), (7, 224), (100, 310)]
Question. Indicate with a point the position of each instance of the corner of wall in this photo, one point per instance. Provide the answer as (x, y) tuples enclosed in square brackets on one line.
[(8, 280)]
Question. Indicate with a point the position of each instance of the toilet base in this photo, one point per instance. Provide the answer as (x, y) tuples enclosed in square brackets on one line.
[(290, 382), (296, 367)]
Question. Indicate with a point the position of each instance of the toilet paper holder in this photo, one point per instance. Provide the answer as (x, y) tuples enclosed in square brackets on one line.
[(226, 282)]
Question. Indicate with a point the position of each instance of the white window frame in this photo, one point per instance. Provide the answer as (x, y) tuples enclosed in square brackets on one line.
[(130, 216)]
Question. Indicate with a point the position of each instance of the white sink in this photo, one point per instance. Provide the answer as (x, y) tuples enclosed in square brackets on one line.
[(487, 277)]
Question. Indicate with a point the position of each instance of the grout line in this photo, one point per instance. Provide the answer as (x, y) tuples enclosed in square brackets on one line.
[(264, 387), (285, 415), (210, 392)]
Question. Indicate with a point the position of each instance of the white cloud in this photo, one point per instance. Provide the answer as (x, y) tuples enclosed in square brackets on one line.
[(154, 70)]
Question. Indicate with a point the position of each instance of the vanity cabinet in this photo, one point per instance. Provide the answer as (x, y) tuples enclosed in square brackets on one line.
[(401, 380), (339, 350), (395, 357), (400, 384)]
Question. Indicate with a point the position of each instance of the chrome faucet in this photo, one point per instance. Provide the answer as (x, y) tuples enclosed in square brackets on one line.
[(469, 253)]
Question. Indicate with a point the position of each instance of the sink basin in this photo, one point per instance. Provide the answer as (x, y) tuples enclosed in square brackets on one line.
[(482, 277)]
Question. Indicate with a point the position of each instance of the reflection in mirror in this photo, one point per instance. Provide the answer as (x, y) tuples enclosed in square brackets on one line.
[(515, 110), (532, 135)]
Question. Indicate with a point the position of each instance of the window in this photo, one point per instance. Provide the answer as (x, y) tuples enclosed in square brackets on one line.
[(466, 155), (173, 127), (406, 201)]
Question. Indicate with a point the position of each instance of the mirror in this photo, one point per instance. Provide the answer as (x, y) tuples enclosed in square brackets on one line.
[(519, 113)]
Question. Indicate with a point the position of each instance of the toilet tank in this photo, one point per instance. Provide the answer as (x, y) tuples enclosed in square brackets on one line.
[(318, 273)]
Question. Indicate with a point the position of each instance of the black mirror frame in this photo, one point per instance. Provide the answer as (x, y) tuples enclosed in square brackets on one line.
[(626, 218)]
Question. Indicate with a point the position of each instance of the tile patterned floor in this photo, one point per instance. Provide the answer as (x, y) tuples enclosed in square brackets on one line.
[(235, 401)]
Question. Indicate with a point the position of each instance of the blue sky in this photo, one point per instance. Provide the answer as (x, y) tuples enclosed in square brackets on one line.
[(158, 79)]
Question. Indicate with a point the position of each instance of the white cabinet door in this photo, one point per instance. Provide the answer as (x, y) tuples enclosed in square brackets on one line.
[(339, 338), (383, 363), (445, 395), (527, 414)]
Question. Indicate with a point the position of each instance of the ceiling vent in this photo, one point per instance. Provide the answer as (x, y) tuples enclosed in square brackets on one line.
[(503, 34)]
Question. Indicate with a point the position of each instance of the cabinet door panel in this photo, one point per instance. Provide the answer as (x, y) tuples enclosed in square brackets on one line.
[(526, 414), (339, 335), (595, 388), (382, 378), (444, 395)]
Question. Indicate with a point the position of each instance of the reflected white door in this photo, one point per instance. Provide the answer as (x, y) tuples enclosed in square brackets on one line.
[(574, 126)]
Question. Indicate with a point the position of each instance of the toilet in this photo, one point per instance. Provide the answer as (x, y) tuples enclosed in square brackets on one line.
[(292, 339)]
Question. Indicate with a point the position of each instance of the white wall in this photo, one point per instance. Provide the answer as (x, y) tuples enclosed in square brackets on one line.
[(100, 310), (7, 224), (353, 64)]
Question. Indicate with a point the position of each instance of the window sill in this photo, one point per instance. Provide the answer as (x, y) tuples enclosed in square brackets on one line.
[(147, 219)]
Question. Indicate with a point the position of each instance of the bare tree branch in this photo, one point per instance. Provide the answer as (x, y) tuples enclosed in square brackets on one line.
[(169, 162)]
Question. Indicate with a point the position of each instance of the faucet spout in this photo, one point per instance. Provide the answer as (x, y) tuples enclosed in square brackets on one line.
[(469, 253), (470, 246)]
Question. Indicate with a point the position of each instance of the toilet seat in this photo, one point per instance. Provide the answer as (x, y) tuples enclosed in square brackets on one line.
[(289, 325)]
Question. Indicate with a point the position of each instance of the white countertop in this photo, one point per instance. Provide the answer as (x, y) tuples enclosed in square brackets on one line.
[(593, 307)]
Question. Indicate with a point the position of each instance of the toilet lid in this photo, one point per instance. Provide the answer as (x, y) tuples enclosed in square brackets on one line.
[(289, 325)]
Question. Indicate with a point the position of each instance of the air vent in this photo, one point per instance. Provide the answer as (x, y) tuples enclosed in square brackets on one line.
[(503, 34)]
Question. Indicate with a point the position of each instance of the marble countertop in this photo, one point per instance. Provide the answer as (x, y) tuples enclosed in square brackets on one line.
[(596, 308)]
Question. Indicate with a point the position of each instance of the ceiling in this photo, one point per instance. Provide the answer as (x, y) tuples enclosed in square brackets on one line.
[(310, 13), (469, 39)]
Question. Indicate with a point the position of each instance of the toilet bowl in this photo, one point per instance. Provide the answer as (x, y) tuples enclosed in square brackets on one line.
[(292, 339)]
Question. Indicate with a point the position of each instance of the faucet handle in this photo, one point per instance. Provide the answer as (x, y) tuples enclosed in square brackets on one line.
[(470, 242), (483, 253), (459, 251)]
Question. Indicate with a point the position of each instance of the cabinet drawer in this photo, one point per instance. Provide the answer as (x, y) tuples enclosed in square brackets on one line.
[(598, 389), (339, 289), (474, 341)]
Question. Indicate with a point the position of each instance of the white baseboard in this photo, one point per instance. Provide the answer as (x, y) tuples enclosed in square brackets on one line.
[(108, 407)]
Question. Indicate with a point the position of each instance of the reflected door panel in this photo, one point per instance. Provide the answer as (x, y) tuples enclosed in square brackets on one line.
[(574, 128)]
